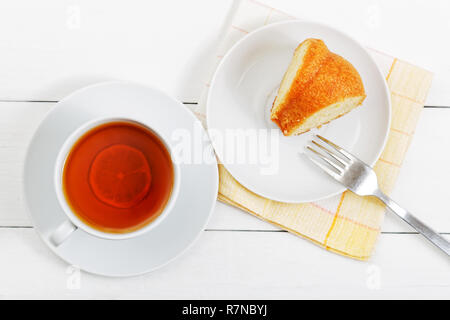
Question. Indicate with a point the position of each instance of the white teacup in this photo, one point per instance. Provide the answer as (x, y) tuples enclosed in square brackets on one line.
[(65, 229)]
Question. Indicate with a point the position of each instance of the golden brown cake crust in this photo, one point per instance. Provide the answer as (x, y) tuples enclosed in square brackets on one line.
[(324, 79)]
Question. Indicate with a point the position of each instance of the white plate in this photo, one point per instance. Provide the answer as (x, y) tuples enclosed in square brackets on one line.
[(242, 92), (159, 245)]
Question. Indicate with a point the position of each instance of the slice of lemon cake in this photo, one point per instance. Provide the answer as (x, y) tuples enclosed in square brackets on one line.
[(318, 86)]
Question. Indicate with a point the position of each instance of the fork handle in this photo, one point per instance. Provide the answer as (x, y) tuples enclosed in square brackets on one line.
[(438, 240)]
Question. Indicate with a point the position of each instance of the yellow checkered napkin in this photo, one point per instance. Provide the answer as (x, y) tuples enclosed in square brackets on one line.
[(345, 224)]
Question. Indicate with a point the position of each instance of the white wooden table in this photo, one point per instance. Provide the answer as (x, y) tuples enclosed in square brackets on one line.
[(49, 48)]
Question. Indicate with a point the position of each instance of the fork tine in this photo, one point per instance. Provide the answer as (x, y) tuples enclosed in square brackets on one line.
[(341, 162), (338, 149), (326, 165)]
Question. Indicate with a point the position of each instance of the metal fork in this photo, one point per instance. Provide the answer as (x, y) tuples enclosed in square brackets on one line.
[(362, 180)]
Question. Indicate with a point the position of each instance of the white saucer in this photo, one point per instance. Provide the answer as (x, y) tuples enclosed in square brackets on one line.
[(161, 244), (242, 92)]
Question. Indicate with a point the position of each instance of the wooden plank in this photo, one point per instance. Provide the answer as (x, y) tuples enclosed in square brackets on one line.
[(239, 265), (409, 30), (53, 47), (421, 186), (17, 125)]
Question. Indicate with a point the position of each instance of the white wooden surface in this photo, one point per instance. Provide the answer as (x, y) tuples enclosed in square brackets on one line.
[(51, 47)]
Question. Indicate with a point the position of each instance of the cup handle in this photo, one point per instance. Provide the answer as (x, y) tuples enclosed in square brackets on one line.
[(61, 233)]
